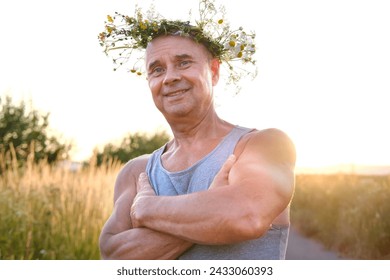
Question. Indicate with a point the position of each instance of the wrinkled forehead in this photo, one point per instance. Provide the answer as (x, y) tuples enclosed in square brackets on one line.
[(175, 45)]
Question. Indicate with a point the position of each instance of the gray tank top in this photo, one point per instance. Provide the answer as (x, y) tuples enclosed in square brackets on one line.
[(198, 177)]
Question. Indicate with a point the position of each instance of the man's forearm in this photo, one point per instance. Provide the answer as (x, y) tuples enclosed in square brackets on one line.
[(213, 217), (210, 217), (142, 244)]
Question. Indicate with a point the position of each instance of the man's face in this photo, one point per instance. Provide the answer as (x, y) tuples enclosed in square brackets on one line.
[(181, 75)]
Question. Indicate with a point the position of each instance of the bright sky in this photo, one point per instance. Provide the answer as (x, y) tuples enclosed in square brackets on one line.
[(324, 73)]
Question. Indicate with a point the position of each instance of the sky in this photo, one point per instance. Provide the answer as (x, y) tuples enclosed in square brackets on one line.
[(324, 74)]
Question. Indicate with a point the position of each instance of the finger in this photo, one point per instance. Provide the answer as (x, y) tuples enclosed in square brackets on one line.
[(143, 177), (222, 176), (227, 166), (144, 184), (142, 181)]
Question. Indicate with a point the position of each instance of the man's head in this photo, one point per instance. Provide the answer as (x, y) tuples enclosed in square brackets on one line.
[(126, 37), (181, 74)]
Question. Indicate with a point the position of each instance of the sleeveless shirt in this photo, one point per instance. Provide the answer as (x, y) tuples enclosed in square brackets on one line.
[(198, 177)]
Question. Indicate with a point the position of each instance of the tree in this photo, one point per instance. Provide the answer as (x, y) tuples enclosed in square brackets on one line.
[(132, 146), (24, 133)]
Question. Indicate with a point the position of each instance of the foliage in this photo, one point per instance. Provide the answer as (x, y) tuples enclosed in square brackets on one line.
[(132, 146), (25, 132), (348, 213)]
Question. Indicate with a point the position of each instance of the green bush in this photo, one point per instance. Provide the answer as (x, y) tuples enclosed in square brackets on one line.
[(132, 146), (23, 133)]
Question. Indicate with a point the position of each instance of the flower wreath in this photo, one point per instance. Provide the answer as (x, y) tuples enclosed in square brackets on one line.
[(125, 38)]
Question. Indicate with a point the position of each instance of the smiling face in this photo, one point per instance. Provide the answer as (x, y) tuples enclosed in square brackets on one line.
[(181, 75)]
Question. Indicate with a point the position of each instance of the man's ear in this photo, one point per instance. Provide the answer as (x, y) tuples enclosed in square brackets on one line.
[(215, 63)]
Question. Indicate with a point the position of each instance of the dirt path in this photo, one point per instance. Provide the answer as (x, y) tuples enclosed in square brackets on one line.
[(303, 248)]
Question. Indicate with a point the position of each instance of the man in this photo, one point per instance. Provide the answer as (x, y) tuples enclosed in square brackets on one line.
[(216, 191)]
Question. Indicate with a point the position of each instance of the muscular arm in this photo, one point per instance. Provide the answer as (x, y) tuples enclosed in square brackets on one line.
[(119, 240), (259, 188)]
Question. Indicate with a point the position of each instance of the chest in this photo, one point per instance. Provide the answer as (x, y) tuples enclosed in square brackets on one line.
[(176, 159)]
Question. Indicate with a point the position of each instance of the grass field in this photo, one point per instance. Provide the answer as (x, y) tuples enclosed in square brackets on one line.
[(347, 213), (55, 213)]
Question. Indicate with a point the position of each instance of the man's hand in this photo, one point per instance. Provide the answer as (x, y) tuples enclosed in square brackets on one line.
[(222, 177), (144, 189)]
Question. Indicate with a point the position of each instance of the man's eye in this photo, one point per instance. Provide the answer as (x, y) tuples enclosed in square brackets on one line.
[(184, 63), (157, 71)]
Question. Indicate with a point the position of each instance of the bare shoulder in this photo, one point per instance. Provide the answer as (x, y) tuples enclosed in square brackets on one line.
[(128, 175), (266, 163), (272, 144)]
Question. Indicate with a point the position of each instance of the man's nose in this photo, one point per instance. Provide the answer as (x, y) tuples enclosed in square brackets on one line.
[(171, 75)]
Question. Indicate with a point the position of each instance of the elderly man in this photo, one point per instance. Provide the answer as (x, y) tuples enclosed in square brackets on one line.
[(216, 190)]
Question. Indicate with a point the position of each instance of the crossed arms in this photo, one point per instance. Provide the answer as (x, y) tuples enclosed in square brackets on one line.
[(246, 196)]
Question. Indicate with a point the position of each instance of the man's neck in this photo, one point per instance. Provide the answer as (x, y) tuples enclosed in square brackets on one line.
[(210, 127), (192, 142)]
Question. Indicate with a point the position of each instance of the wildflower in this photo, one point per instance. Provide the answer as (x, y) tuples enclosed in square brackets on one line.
[(102, 36), (220, 21), (142, 25), (109, 29), (232, 44), (109, 18)]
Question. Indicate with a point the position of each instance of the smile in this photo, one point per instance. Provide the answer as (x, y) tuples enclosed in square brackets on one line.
[(176, 93)]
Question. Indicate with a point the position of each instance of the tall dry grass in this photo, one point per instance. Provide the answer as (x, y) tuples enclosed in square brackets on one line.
[(49, 212), (348, 213)]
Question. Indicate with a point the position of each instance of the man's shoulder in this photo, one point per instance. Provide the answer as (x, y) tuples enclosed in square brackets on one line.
[(128, 175), (134, 166), (271, 136), (272, 143)]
